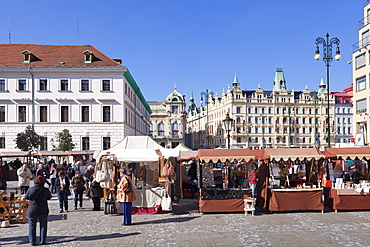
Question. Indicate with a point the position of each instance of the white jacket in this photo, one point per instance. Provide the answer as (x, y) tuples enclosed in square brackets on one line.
[(24, 177)]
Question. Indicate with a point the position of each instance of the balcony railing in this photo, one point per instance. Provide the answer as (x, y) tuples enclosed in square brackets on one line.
[(361, 44)]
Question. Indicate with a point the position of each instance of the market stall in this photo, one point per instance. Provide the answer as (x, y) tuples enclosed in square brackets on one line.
[(187, 163), (222, 179), (144, 158), (295, 176), (349, 173)]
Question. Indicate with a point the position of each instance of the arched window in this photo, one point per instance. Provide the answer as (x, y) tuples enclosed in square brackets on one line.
[(238, 120), (175, 129), (161, 129), (256, 140)]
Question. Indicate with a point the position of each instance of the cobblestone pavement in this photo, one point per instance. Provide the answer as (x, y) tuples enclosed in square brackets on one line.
[(186, 227)]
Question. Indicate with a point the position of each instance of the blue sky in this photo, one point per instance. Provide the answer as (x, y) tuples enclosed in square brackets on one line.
[(197, 44)]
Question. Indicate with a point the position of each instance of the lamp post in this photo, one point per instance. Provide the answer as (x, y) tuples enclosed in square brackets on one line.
[(327, 58), (228, 124), (315, 116), (206, 96), (263, 130), (290, 125)]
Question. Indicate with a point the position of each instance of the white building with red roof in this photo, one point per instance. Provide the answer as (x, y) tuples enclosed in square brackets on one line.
[(79, 88)]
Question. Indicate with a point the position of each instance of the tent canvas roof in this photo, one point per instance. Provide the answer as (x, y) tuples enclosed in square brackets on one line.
[(349, 152), (291, 153), (137, 149), (137, 142), (224, 154), (182, 147)]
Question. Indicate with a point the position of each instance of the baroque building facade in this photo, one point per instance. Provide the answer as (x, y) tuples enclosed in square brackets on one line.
[(275, 118), (56, 87), (361, 78), (168, 120)]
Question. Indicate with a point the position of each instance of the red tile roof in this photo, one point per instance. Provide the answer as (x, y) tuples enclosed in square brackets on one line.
[(52, 56)]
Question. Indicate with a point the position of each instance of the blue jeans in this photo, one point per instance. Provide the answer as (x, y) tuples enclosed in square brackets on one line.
[(53, 188), (78, 197), (32, 220), (63, 199), (127, 212)]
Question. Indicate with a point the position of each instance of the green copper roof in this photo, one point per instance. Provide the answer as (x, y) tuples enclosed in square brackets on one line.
[(136, 89), (322, 88), (279, 81)]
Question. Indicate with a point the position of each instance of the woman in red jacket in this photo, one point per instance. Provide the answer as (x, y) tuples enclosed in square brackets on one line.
[(126, 195)]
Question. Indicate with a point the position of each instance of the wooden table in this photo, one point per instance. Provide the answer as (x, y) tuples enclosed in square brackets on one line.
[(349, 199), (295, 199)]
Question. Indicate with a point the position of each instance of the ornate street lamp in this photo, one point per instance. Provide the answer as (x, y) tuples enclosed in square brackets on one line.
[(327, 58), (205, 100), (228, 124)]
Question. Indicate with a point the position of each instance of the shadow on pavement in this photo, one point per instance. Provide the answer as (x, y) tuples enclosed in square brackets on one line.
[(64, 239), (164, 221)]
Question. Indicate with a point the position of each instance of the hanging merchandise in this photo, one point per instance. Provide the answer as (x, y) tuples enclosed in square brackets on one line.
[(166, 203), (110, 204)]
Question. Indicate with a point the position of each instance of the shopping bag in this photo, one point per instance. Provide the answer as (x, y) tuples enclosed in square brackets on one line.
[(166, 203)]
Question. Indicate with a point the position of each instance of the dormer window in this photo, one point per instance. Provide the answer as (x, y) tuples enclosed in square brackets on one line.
[(27, 56), (89, 56)]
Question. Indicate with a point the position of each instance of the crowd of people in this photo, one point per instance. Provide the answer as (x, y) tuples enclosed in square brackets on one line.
[(63, 180), (50, 178)]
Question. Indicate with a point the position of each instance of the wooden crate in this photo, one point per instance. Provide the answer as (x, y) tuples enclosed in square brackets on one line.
[(14, 209)]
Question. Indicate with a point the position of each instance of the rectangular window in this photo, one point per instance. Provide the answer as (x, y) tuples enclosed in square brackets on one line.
[(22, 85), (85, 143), (237, 109), (22, 114), (44, 143), (174, 109), (361, 105), (85, 85), (43, 113), (85, 113), (106, 113), (43, 84), (365, 38), (2, 85), (106, 143), (64, 113), (361, 83), (2, 113), (361, 61), (2, 142), (64, 85), (106, 85)]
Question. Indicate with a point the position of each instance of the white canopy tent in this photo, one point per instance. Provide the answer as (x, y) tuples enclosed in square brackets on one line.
[(137, 149)]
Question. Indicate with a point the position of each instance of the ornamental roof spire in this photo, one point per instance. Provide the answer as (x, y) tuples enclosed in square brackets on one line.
[(279, 80)]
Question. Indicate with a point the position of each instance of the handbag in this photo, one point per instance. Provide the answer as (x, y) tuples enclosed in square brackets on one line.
[(110, 205), (171, 171), (68, 192), (129, 188), (165, 169), (166, 203)]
